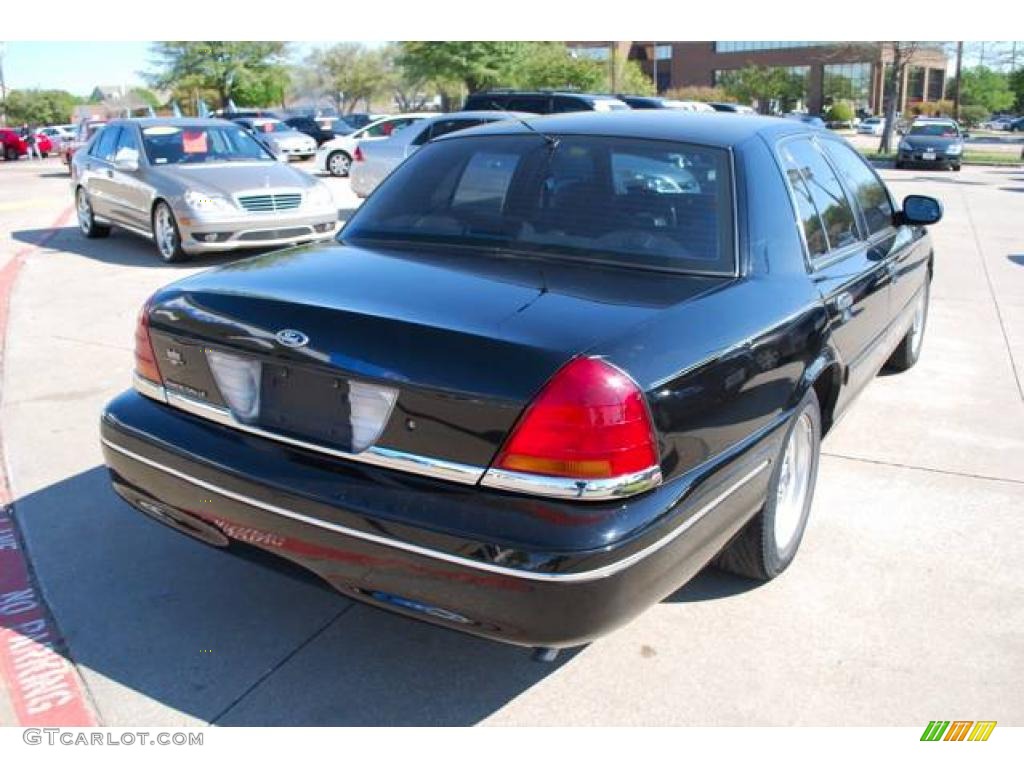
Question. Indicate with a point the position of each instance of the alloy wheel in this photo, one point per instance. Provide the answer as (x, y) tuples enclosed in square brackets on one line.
[(166, 234), (794, 481), (84, 212)]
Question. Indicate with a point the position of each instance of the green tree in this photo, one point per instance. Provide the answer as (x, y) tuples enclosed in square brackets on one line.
[(1016, 81), (476, 65), (247, 72), (631, 78), (984, 87), (840, 112), (350, 72), (550, 65), (38, 107), (764, 84)]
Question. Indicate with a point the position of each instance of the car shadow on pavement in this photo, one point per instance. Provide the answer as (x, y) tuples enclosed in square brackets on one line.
[(122, 248), (162, 626)]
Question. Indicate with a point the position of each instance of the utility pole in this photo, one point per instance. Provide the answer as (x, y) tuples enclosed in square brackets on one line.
[(3, 88), (655, 68), (956, 81)]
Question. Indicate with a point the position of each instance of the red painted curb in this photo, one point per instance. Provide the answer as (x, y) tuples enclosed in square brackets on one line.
[(42, 685)]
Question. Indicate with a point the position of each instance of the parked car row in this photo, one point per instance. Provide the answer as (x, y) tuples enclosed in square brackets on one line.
[(13, 145)]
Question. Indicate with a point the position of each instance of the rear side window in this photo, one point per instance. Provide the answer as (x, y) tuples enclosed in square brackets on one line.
[(824, 210), (569, 104), (441, 127), (864, 184), (631, 202), (535, 104)]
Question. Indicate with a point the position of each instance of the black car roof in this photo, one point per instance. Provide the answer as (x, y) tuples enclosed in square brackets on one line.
[(711, 129)]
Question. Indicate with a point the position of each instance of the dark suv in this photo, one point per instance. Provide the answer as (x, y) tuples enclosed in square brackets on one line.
[(543, 102), (311, 128)]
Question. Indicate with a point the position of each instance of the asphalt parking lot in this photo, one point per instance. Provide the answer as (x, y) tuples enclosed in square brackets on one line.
[(906, 602)]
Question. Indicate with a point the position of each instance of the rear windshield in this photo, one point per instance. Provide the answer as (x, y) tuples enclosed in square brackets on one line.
[(637, 202)]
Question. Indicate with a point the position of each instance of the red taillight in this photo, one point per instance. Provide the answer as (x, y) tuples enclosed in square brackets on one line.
[(590, 421), (357, 156), (145, 360)]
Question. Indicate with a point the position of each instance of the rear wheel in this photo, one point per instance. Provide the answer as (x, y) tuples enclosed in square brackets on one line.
[(10, 153), (955, 166), (769, 542), (166, 234), (86, 218), (909, 349), (339, 163)]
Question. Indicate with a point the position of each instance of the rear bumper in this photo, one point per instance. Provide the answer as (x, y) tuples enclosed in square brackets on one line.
[(396, 541)]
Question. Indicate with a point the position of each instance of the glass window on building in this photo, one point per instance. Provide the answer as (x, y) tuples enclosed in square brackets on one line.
[(737, 46), (662, 52), (915, 83), (936, 84), (847, 82), (595, 52)]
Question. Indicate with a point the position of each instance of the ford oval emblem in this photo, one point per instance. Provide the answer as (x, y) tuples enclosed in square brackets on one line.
[(289, 337)]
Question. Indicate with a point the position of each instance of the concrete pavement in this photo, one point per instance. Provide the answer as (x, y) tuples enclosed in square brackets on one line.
[(906, 599)]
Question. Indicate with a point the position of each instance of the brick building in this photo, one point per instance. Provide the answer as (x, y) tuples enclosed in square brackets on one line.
[(849, 70)]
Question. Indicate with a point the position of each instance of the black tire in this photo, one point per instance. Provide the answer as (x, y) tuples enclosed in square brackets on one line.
[(754, 553), (955, 167), (10, 153), (342, 160), (898, 164), (908, 352), (86, 219), (170, 251)]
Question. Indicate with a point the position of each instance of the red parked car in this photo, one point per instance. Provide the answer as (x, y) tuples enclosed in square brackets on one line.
[(13, 145), (85, 131)]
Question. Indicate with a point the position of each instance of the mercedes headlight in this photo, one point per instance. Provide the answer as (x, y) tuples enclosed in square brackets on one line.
[(320, 196), (954, 149), (906, 146), (203, 203)]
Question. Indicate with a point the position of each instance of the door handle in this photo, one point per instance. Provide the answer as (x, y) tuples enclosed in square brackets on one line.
[(844, 301)]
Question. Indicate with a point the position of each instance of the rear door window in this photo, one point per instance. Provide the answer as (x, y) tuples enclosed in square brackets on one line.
[(862, 181), (825, 212)]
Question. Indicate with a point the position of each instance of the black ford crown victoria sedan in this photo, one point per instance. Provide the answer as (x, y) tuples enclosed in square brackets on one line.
[(547, 372)]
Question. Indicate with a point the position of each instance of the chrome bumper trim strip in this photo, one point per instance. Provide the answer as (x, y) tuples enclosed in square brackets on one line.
[(566, 488), (591, 575), (376, 455)]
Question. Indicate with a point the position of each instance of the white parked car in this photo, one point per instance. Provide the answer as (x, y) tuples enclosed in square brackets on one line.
[(1001, 123), (283, 140), (58, 135), (375, 160), (872, 126), (335, 156)]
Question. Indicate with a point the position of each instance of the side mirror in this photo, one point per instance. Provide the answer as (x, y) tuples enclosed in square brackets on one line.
[(126, 162), (920, 210)]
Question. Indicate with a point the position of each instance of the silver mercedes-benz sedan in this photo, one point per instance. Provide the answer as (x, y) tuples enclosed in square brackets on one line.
[(193, 185)]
